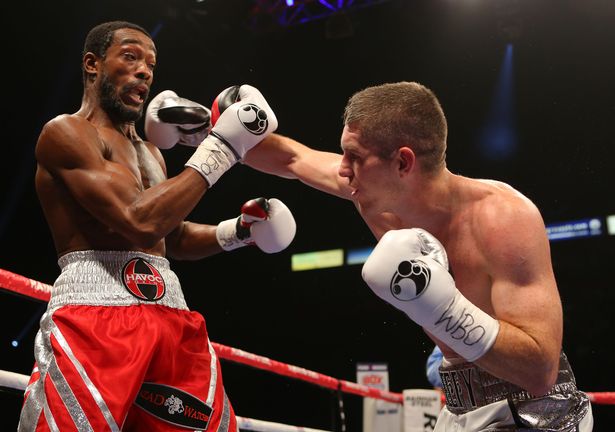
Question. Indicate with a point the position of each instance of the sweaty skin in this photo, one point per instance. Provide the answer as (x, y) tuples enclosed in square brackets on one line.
[(494, 237), (101, 186)]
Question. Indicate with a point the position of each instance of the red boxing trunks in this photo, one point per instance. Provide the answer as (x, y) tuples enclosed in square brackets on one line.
[(118, 349)]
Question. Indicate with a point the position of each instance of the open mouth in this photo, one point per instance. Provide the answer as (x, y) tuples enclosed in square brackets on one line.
[(136, 95)]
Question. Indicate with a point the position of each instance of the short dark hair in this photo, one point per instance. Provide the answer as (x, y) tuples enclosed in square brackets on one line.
[(99, 38), (393, 115)]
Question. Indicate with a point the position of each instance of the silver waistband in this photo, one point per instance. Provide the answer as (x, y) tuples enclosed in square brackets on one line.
[(93, 277), (468, 387)]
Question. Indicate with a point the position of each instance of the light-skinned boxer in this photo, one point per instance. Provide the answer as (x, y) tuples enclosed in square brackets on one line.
[(118, 348), (497, 317)]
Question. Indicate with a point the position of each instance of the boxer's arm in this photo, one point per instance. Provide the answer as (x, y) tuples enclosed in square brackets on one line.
[(192, 241), (285, 157), (524, 295), (70, 149), (265, 223)]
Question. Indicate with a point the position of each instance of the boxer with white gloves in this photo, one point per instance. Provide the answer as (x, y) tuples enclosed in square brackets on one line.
[(266, 223), (409, 269), (241, 124), (171, 120), (393, 168)]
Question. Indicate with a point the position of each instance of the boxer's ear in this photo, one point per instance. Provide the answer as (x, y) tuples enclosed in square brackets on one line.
[(406, 159), (90, 64)]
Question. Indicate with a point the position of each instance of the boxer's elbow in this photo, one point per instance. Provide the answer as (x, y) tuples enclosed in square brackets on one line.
[(542, 375)]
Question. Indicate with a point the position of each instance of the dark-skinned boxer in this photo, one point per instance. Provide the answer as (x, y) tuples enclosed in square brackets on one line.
[(118, 347)]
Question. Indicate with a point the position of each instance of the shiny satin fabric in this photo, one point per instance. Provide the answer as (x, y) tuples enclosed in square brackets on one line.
[(481, 401), (98, 343)]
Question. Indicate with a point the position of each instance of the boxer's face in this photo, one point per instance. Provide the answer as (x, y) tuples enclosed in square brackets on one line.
[(126, 74), (371, 178)]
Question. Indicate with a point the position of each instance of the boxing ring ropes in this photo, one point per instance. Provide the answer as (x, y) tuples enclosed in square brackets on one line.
[(29, 288)]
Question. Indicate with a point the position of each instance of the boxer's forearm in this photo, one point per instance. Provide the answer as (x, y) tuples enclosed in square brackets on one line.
[(275, 155), (285, 157), (158, 211), (529, 362), (192, 241)]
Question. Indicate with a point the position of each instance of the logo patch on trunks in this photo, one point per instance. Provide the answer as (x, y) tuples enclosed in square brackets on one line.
[(143, 280), (174, 406)]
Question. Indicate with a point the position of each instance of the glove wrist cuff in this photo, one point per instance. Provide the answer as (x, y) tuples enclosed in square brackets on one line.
[(465, 328), (211, 159), (227, 144), (226, 235)]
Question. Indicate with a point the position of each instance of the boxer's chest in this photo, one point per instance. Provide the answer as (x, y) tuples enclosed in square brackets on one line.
[(136, 158), (470, 270)]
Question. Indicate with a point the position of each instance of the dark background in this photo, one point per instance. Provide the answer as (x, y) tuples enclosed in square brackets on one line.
[(327, 320)]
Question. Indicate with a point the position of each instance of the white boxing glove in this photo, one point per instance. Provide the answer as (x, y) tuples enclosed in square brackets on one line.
[(241, 126), (268, 224), (170, 120), (408, 269)]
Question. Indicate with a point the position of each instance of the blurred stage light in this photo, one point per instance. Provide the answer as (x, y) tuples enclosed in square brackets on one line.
[(610, 224), (569, 230), (358, 256), (316, 260), (498, 138), (590, 227), (293, 12), (15, 343)]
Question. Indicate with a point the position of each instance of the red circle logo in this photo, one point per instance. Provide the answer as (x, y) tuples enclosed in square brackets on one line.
[(143, 280)]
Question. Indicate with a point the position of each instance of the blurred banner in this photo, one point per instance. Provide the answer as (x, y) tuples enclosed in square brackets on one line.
[(421, 409), (378, 415)]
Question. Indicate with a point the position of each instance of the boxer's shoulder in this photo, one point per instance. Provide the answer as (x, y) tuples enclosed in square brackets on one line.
[(493, 205), (65, 138), (67, 123), (493, 220)]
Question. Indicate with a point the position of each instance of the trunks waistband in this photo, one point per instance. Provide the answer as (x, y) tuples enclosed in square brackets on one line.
[(468, 387), (115, 278)]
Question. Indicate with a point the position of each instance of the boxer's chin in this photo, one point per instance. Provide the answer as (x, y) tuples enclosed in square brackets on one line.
[(115, 107)]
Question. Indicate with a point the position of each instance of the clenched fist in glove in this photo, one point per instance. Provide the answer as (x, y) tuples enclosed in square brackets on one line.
[(242, 124), (409, 269), (268, 224), (171, 120)]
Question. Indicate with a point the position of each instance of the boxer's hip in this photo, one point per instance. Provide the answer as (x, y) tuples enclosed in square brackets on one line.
[(115, 278), (469, 388)]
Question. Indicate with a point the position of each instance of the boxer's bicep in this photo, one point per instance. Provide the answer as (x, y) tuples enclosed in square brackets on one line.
[(523, 296), (524, 292), (73, 156)]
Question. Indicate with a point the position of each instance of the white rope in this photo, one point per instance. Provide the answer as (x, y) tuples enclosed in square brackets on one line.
[(17, 381), (265, 426), (13, 380)]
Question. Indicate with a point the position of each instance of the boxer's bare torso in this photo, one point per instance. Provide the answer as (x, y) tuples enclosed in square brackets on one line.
[(120, 155)]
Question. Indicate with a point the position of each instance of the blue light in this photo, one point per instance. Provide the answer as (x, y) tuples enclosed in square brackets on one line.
[(358, 256), (326, 4), (498, 138), (290, 3), (580, 228), (156, 30), (15, 343)]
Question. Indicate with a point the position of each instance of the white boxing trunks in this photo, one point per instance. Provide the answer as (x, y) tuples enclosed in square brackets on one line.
[(118, 349), (477, 401)]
